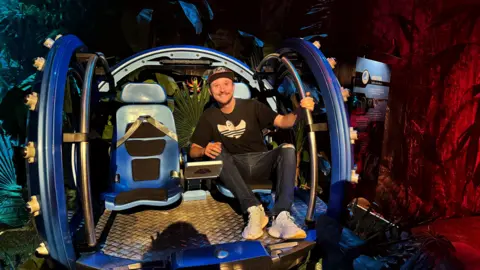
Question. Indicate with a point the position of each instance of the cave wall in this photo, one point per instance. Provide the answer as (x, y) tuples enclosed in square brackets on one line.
[(430, 158)]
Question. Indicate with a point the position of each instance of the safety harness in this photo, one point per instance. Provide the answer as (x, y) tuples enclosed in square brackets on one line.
[(150, 120)]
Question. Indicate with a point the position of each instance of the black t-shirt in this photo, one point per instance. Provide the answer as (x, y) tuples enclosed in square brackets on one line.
[(239, 131)]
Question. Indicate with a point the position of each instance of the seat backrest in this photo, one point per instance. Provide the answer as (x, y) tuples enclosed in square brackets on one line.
[(148, 154), (242, 91)]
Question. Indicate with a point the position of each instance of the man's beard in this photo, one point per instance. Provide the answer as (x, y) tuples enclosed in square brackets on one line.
[(226, 103)]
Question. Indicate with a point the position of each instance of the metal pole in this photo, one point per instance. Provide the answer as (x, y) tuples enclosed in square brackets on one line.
[(84, 152), (265, 60), (108, 75), (312, 143), (311, 134)]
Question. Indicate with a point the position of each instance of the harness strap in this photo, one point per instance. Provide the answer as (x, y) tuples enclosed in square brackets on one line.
[(150, 120)]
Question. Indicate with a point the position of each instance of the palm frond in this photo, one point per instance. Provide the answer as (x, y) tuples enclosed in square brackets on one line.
[(188, 109), (12, 205), (8, 177), (12, 211)]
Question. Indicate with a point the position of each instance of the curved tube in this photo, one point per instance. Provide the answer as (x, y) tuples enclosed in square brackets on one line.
[(266, 59), (84, 152), (73, 155), (312, 143), (311, 134), (342, 159), (110, 79)]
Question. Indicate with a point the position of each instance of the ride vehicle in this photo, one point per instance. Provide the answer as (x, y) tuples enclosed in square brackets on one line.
[(158, 208)]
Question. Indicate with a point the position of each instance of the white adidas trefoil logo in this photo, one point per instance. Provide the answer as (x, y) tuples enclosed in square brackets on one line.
[(231, 131)]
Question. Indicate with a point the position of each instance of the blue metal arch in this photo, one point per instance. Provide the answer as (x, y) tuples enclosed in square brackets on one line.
[(337, 118), (53, 209)]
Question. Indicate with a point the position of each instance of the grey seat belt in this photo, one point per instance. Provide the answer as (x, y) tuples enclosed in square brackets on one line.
[(150, 120)]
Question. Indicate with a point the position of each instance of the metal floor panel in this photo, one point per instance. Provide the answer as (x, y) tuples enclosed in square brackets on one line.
[(154, 234)]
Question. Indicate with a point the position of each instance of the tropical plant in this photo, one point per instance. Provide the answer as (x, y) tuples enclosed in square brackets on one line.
[(24, 26), (167, 82), (12, 205), (18, 247), (189, 107)]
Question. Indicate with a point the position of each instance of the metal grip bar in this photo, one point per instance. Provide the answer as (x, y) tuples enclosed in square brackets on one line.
[(84, 152), (108, 75), (311, 134)]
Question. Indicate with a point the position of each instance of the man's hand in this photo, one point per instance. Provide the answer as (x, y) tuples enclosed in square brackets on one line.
[(212, 150), (287, 121), (307, 102)]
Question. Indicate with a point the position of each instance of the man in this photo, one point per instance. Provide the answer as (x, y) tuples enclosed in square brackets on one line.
[(232, 132)]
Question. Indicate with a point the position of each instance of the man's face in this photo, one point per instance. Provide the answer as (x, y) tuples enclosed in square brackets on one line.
[(222, 90)]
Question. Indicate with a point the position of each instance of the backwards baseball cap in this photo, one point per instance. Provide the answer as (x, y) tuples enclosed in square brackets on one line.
[(220, 72)]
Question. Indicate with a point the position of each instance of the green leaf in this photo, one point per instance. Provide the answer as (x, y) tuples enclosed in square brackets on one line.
[(187, 112), (274, 144), (168, 83), (305, 156), (32, 263), (12, 211)]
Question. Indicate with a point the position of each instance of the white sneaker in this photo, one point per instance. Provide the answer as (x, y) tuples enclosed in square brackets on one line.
[(284, 227), (257, 220)]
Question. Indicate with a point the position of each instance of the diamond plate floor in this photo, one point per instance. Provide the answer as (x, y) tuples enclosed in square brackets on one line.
[(154, 234)]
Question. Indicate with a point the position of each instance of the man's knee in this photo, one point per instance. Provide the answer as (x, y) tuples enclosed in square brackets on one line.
[(287, 151), (287, 146)]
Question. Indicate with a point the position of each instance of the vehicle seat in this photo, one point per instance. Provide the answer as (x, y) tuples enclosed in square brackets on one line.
[(144, 150), (242, 91)]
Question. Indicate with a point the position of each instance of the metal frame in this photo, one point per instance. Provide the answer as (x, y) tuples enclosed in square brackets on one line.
[(52, 223), (311, 134), (178, 52), (341, 149), (84, 147)]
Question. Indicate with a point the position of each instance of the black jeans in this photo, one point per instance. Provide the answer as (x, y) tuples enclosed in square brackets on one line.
[(240, 169)]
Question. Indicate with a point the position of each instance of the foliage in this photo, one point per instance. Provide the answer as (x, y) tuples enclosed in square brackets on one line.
[(23, 28), (188, 109), (12, 212), (309, 262), (432, 126), (317, 18), (18, 246), (167, 82)]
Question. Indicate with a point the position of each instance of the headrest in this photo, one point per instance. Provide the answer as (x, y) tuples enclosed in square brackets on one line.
[(242, 91), (143, 93)]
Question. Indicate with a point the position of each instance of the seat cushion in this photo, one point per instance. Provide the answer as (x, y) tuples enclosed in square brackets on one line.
[(242, 91), (146, 159)]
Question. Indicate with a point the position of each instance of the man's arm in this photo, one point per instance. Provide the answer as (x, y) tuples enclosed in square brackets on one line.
[(267, 116), (201, 136), (288, 120), (196, 151)]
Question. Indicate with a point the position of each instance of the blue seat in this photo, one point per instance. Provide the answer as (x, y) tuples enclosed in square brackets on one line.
[(144, 153), (242, 91)]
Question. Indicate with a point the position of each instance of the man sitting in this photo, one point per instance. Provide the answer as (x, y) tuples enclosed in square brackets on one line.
[(232, 132)]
